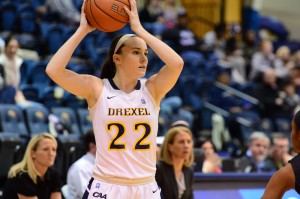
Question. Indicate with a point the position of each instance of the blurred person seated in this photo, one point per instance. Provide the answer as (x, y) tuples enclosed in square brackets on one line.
[(151, 16), (214, 41), (279, 151), (212, 162), (59, 10), (291, 100), (181, 35), (234, 60), (283, 62), (268, 93), (170, 10), (12, 63), (34, 176), (175, 174), (262, 60), (255, 159), (80, 171)]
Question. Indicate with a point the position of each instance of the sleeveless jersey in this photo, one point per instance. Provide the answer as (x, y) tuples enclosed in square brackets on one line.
[(125, 127), (295, 162)]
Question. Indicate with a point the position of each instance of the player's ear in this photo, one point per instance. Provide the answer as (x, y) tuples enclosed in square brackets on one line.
[(116, 58)]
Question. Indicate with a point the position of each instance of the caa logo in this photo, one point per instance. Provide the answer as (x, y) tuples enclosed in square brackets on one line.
[(99, 195)]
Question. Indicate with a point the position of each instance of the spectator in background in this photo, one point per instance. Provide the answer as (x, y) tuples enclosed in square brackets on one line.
[(267, 92), (234, 60), (170, 10), (262, 60), (291, 99), (287, 177), (215, 41), (181, 35), (174, 172), (249, 47), (80, 171), (33, 177), (279, 153), (151, 16), (12, 63), (212, 161), (255, 157), (60, 10), (283, 62)]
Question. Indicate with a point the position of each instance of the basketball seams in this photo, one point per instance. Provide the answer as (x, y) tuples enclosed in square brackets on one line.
[(122, 3), (101, 27), (106, 12), (106, 15)]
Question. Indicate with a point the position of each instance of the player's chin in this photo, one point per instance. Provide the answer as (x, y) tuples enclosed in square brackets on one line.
[(141, 74)]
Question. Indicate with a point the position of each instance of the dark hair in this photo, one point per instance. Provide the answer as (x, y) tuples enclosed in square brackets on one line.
[(88, 138), (9, 38), (108, 69), (297, 120), (202, 140)]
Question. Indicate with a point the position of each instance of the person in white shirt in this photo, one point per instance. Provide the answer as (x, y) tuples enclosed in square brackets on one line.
[(80, 171)]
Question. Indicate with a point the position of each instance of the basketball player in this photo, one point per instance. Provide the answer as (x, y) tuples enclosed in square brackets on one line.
[(124, 108), (288, 177)]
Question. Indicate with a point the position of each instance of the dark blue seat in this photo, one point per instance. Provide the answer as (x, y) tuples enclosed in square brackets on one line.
[(54, 37), (9, 143), (8, 13), (26, 18), (49, 99), (68, 117), (85, 121), (30, 92), (37, 119), (38, 77), (26, 70), (12, 120), (74, 102)]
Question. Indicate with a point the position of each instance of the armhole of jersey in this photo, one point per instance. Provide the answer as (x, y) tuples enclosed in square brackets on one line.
[(92, 109), (148, 92)]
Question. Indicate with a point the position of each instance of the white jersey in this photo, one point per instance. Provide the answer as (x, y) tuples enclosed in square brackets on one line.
[(125, 127)]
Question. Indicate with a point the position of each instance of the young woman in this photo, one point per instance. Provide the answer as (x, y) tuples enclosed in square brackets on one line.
[(32, 178), (287, 177), (212, 161), (124, 109), (175, 173)]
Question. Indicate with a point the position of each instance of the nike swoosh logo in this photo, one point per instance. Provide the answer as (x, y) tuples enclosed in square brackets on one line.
[(111, 97), (155, 190)]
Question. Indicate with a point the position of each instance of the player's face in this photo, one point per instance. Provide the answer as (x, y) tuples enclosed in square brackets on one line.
[(45, 154), (133, 59), (182, 145)]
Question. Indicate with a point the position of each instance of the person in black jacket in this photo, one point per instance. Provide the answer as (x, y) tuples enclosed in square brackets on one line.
[(175, 173), (34, 176), (288, 177)]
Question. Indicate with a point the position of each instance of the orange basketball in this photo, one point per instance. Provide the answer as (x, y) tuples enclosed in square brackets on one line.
[(107, 15)]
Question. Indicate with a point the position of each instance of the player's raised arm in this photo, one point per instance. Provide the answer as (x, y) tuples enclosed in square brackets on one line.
[(166, 78), (56, 68)]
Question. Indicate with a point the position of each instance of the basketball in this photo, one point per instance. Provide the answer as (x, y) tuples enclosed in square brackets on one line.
[(106, 15)]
